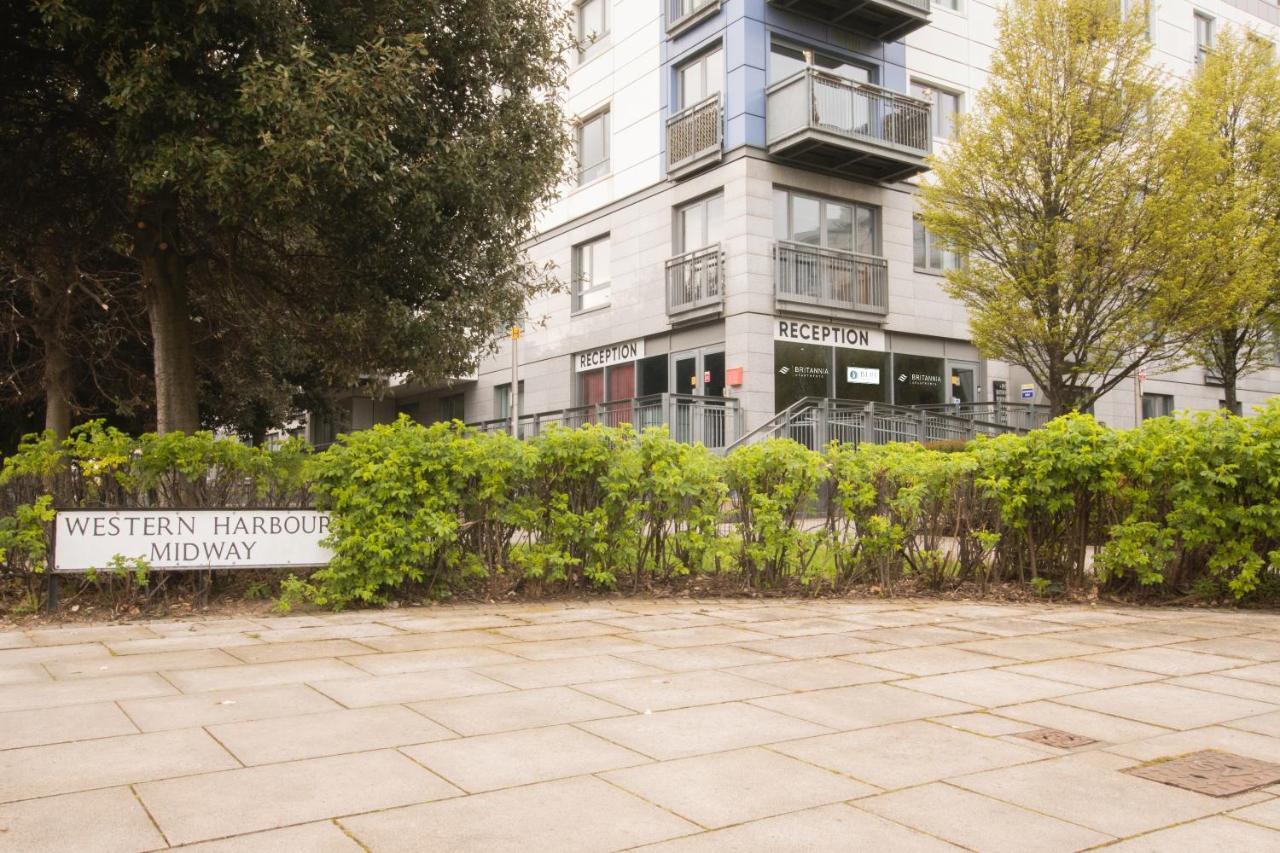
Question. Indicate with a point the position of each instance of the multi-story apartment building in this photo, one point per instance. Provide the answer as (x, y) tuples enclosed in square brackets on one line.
[(741, 232)]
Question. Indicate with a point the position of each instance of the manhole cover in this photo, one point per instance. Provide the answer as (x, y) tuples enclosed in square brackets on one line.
[(1218, 774), (1060, 739)]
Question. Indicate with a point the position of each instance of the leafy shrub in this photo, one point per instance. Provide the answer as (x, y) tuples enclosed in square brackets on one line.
[(771, 485)]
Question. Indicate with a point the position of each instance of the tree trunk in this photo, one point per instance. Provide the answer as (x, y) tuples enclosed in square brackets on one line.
[(57, 387), (168, 309)]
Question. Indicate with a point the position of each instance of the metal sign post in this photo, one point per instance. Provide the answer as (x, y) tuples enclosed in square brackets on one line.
[(514, 396)]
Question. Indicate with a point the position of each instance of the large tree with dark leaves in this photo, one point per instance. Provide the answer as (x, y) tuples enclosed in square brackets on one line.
[(338, 188)]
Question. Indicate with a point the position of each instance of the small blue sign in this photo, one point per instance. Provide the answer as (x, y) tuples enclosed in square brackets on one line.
[(1028, 393)]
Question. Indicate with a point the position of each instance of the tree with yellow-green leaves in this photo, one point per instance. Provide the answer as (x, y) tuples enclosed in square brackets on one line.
[(1047, 189), (1221, 200)]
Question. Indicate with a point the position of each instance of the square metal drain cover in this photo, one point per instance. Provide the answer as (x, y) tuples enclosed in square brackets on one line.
[(1054, 737), (1218, 774)]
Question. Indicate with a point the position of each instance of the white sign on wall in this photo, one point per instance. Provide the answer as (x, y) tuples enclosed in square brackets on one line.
[(827, 334), (862, 375), (605, 356), (175, 539)]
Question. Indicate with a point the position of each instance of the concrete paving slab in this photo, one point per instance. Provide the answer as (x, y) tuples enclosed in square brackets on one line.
[(904, 754), (989, 688), (23, 673), (1085, 672), (678, 690), (980, 823), (1161, 704), (129, 664), (815, 646), (579, 648), (1086, 788), (557, 673), (38, 771), (702, 657), (826, 829), (490, 762), (434, 640), (54, 694), (1169, 660), (700, 730), (407, 687), (1105, 728), (276, 652), (730, 787), (432, 659), (518, 709), (260, 675), (106, 821), (167, 713), (234, 802), (1212, 833), (929, 660), (41, 726), (814, 673), (1030, 648), (320, 837), (581, 815), (1248, 744), (328, 733), (862, 706)]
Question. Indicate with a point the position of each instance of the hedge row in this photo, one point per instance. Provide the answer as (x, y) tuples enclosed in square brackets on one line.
[(1185, 504)]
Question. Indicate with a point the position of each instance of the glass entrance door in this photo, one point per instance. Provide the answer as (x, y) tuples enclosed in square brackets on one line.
[(696, 375), (964, 383)]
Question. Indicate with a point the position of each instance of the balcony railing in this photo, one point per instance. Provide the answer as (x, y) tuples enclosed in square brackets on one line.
[(691, 418), (884, 20), (817, 421), (830, 278), (695, 136), (847, 126), (695, 282), (685, 13)]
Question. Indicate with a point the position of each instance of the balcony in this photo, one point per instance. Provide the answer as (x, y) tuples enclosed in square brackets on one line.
[(691, 418), (695, 137), (852, 128), (695, 284), (683, 14), (810, 277), (885, 20)]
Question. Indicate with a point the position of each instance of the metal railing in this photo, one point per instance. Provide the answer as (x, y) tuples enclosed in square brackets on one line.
[(695, 280), (831, 278), (1023, 416), (691, 418), (695, 133), (815, 422), (680, 11), (816, 100)]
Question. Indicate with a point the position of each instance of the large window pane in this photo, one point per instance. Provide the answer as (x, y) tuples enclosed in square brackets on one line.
[(781, 215), (799, 370), (784, 61), (591, 274), (693, 227), (862, 375), (917, 380), (806, 220), (593, 148), (715, 217), (866, 241), (919, 251), (839, 226)]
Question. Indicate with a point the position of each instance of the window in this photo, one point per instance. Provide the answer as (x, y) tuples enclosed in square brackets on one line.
[(591, 274), (453, 408), (502, 400), (593, 24), (1157, 405), (1204, 36), (953, 5), (929, 255), (814, 221), (1128, 7), (698, 224), (593, 148), (945, 106), (786, 59), (699, 79)]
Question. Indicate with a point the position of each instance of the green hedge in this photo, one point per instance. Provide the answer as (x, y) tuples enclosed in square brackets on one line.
[(1185, 504)]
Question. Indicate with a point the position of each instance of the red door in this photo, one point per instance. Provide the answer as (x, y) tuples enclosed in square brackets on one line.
[(592, 392), (622, 387)]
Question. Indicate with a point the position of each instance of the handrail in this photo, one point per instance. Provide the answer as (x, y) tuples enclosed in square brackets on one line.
[(859, 110), (775, 422)]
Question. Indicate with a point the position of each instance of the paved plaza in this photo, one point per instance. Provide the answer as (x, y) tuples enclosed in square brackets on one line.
[(675, 726)]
